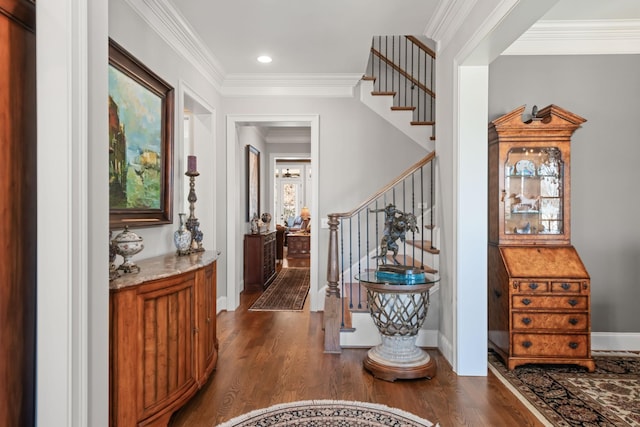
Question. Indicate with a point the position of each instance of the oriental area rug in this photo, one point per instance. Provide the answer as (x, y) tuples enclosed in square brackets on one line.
[(288, 291), (568, 395), (328, 413)]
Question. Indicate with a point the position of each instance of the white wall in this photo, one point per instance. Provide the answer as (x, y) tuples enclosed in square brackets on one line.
[(72, 360)]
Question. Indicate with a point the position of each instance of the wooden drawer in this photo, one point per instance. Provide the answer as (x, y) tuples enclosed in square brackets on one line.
[(530, 286), (550, 345), (569, 302), (546, 320), (569, 286)]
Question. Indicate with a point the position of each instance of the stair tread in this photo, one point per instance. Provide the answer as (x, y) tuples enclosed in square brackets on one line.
[(377, 93), (417, 123), (425, 245), (369, 78), (347, 324), (402, 108)]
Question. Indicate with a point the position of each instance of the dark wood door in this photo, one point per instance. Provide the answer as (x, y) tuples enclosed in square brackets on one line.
[(17, 212)]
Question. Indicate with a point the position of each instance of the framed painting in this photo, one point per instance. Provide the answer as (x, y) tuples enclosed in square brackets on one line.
[(140, 143), (253, 182)]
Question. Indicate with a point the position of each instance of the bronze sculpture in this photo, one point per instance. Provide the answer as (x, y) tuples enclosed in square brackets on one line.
[(396, 225)]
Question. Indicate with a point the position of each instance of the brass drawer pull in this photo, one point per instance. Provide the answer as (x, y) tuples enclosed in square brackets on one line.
[(573, 321), (573, 302), (526, 301), (566, 286), (573, 345), (526, 320), (533, 285), (527, 344)]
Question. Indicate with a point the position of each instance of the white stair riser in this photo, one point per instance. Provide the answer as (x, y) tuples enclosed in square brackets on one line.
[(382, 104)]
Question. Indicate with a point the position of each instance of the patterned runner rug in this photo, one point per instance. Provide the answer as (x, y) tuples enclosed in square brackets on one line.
[(287, 292), (328, 413), (568, 395)]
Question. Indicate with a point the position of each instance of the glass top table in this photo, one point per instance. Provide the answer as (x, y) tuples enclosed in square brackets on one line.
[(389, 282), (398, 305)]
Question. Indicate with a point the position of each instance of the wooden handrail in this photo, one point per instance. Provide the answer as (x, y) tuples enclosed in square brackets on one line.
[(403, 72), (422, 46), (389, 186)]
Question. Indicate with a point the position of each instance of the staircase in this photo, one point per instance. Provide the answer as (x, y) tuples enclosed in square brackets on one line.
[(398, 117), (354, 248), (397, 86)]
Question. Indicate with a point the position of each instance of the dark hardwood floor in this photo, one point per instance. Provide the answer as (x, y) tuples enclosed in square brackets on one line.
[(268, 358)]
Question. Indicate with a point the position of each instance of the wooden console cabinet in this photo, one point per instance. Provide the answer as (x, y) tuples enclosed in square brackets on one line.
[(539, 290), (259, 261), (163, 344)]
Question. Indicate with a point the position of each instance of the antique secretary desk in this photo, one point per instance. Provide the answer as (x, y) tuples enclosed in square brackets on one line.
[(539, 289)]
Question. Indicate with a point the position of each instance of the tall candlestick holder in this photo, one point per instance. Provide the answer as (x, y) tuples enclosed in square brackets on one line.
[(193, 225)]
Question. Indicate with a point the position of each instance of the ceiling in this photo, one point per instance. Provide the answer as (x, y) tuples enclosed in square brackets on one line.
[(594, 10), (331, 37), (302, 36)]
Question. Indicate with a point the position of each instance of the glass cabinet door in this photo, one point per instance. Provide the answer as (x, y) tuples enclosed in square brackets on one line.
[(532, 195)]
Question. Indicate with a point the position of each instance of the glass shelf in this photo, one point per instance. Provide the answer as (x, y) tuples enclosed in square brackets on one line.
[(533, 199)]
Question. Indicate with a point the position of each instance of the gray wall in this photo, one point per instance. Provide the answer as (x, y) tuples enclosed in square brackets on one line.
[(605, 230)]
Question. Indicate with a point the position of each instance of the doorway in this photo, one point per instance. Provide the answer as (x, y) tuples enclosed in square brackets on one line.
[(236, 225), (292, 187)]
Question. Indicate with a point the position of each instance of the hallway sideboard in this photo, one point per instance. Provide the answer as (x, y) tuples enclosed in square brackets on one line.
[(163, 344)]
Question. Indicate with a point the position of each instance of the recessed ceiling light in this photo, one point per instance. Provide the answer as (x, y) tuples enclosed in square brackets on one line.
[(264, 59)]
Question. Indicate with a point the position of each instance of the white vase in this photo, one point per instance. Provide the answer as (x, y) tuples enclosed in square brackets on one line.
[(182, 237), (127, 244)]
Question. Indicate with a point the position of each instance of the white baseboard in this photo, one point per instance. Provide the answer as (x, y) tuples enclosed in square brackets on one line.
[(221, 304), (445, 347), (427, 338), (615, 341)]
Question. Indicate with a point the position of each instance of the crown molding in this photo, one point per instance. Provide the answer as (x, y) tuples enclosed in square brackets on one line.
[(291, 85), (447, 20), (587, 37), (174, 29)]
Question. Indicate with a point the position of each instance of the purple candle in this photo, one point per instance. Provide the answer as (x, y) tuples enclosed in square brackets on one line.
[(191, 164)]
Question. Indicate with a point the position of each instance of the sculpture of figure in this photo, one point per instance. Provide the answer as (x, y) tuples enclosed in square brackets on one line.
[(396, 225), (255, 226)]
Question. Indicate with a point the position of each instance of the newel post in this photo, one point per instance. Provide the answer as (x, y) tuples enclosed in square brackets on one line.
[(332, 300)]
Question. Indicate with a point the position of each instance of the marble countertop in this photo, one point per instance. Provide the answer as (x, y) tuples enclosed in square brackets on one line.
[(164, 266)]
